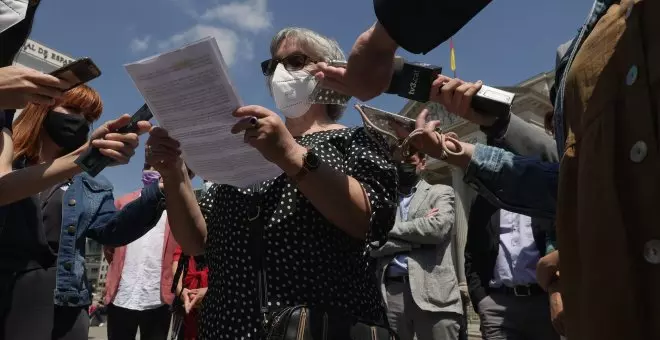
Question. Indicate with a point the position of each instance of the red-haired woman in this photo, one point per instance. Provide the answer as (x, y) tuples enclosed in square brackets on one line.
[(47, 210)]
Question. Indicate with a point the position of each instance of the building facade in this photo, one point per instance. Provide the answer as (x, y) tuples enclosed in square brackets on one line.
[(103, 275), (93, 257), (41, 58)]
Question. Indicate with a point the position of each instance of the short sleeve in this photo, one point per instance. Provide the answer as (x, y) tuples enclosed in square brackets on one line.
[(177, 254), (367, 161), (208, 205)]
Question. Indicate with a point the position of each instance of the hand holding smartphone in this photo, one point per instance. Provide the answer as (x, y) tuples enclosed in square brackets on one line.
[(78, 72), (93, 162)]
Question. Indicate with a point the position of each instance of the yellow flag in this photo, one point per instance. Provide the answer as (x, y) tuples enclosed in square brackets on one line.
[(453, 55)]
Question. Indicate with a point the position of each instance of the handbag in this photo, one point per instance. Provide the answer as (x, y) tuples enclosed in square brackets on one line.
[(303, 322)]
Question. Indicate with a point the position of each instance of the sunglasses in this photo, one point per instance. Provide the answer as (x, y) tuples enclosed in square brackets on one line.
[(292, 62)]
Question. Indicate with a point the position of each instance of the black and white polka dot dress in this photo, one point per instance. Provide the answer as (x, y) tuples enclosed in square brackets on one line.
[(308, 259)]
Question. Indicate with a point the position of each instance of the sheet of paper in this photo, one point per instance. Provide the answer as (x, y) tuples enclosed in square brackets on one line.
[(191, 95)]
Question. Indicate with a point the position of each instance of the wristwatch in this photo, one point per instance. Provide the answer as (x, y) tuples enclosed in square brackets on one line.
[(311, 162)]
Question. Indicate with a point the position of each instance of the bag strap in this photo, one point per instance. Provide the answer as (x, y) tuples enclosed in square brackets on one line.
[(181, 270), (256, 226)]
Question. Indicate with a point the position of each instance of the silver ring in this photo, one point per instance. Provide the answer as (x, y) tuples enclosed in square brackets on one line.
[(255, 122)]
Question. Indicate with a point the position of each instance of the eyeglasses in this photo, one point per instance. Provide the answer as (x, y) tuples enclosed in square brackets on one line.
[(292, 62)]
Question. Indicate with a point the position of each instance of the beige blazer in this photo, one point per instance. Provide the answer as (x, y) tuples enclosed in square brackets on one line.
[(428, 242)]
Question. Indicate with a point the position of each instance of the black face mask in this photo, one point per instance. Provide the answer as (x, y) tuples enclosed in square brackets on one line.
[(68, 131), (408, 176)]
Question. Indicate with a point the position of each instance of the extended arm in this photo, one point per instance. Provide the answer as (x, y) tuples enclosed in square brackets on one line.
[(16, 185), (187, 222), (118, 228), (523, 185), (522, 138), (357, 200), (19, 184), (421, 25)]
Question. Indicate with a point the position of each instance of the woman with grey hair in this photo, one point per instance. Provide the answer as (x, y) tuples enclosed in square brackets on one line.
[(302, 238)]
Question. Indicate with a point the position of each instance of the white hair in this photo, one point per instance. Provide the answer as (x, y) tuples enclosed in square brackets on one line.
[(319, 47)]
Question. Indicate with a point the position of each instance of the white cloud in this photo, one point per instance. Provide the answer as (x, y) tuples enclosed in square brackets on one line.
[(250, 15), (140, 45), (231, 45)]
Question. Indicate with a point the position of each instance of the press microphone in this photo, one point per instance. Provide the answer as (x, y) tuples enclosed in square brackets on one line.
[(413, 80), (93, 162)]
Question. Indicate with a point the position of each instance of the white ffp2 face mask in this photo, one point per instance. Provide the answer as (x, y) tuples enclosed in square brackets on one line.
[(12, 12), (291, 91)]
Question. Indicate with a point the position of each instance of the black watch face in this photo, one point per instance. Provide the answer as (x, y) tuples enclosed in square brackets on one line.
[(312, 160)]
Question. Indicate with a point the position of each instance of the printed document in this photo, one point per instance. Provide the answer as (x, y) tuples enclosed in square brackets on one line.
[(190, 94)]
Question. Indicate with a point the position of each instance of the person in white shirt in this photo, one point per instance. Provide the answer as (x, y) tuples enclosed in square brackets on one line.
[(138, 286)]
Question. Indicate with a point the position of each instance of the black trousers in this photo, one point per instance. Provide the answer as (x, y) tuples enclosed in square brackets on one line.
[(463, 333), (123, 323), (29, 311)]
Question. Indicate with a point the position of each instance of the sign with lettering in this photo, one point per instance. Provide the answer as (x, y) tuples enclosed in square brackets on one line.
[(46, 54)]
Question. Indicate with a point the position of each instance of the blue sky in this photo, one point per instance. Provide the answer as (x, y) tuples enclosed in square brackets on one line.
[(508, 42)]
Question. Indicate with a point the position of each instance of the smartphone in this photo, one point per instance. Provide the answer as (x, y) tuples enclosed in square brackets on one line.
[(93, 162), (493, 102), (380, 122), (338, 63), (382, 119), (78, 72), (398, 63)]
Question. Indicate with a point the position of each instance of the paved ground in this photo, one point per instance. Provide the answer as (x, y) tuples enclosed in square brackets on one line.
[(99, 333)]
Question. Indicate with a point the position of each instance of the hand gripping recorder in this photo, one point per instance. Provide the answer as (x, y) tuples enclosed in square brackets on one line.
[(93, 162), (413, 81)]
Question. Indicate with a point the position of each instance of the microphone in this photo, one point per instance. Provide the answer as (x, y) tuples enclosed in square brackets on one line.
[(413, 80)]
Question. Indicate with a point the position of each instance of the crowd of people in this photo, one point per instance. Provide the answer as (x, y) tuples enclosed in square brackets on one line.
[(349, 241)]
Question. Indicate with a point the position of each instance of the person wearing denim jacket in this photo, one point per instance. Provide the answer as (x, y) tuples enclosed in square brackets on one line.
[(89, 212), (49, 207)]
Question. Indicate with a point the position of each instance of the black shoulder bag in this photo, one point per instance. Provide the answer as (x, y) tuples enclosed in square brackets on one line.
[(302, 322)]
